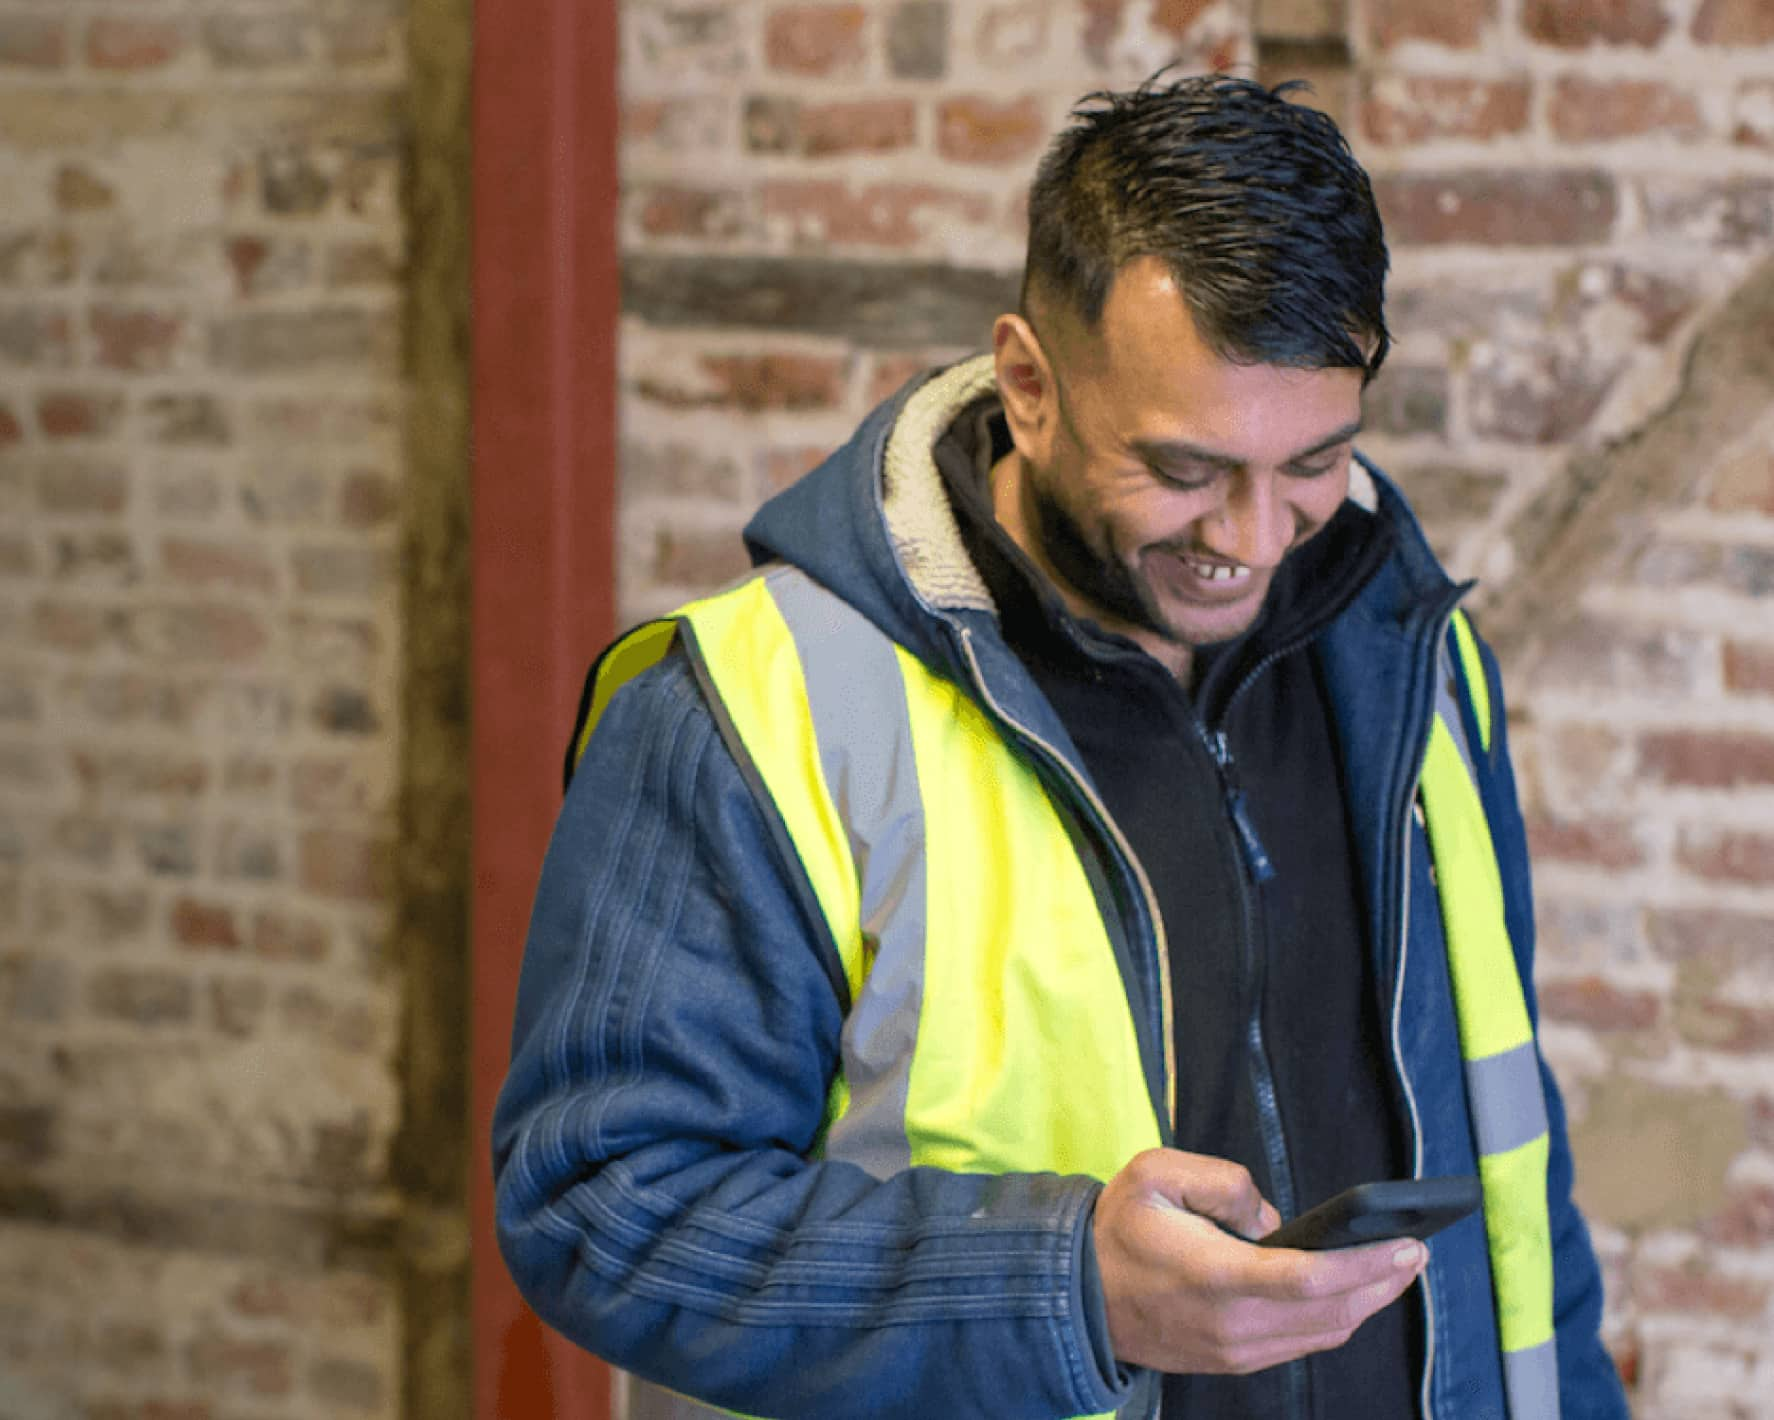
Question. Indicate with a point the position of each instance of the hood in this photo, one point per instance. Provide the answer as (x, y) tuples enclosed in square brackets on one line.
[(873, 522)]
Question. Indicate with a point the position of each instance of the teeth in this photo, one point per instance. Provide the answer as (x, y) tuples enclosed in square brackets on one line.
[(1217, 572)]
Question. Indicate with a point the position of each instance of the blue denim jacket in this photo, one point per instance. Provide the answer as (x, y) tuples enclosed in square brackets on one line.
[(678, 1027)]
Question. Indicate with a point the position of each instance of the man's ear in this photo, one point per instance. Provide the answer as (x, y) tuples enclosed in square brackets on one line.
[(1025, 384)]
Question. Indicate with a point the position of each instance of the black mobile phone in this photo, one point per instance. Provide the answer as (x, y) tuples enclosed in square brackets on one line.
[(1371, 1212)]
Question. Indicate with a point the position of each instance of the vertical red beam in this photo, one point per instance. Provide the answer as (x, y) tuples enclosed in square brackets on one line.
[(545, 308)]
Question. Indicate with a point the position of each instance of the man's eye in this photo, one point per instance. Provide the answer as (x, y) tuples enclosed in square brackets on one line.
[(1313, 470), (1187, 476)]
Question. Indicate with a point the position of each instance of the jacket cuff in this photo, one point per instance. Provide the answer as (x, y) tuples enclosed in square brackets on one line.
[(1112, 1381)]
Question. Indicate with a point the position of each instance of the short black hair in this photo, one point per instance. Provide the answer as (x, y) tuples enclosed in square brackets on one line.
[(1255, 203)]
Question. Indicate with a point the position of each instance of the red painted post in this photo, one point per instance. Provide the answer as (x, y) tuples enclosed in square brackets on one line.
[(545, 309)]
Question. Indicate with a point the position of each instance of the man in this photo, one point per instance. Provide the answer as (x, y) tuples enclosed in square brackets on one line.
[(1087, 841)]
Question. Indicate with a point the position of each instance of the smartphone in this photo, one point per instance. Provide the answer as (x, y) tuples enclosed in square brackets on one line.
[(1371, 1212)]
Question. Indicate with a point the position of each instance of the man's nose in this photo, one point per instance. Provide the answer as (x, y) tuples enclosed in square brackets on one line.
[(1252, 525)]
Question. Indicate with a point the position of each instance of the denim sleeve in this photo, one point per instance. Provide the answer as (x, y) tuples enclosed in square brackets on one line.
[(1589, 1383), (676, 1035)]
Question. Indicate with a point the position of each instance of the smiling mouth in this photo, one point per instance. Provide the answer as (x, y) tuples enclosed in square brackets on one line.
[(1223, 572)]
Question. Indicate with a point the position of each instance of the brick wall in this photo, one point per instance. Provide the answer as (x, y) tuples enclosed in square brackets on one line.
[(201, 482), (821, 198)]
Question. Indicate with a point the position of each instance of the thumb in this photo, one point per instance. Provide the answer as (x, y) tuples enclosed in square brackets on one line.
[(1214, 1188)]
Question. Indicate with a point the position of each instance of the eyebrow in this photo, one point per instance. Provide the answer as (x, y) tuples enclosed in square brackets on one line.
[(1178, 451)]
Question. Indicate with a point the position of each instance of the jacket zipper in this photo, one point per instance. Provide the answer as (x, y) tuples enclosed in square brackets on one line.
[(1439, 627)]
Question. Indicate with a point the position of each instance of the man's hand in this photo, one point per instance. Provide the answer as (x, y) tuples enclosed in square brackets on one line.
[(1184, 1296)]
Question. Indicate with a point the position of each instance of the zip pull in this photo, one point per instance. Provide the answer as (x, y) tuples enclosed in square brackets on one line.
[(1256, 857)]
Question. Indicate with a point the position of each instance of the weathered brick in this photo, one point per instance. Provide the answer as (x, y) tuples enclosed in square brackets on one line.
[(99, 557), (1747, 1219), (167, 850), (815, 39), (754, 383), (783, 466), (78, 414), (238, 1005), (204, 925), (27, 1133), (817, 130), (1586, 110), (977, 129), (11, 430), (691, 40), (1707, 759), (197, 419), (206, 632), (29, 41), (79, 487), (134, 339), (367, 500), (335, 863), (357, 264), (1010, 33), (1731, 1026), (918, 39), (248, 775), (1734, 212), (254, 41), (1575, 24), (288, 342), (1537, 392), (131, 44), (1455, 24), (1727, 855), (108, 775), (342, 1384), (76, 909), (233, 565), (705, 213), (1734, 22), (239, 1365), (36, 337), (34, 989), (18, 555), (684, 557), (344, 710), (1408, 399), (147, 996), (677, 470), (1696, 1289), (344, 570), (279, 935), (1498, 207), (1596, 1002), (37, 260), (1658, 303), (79, 189), (1444, 495), (1591, 842), (266, 265), (676, 124), (1752, 113), (1411, 108), (252, 852), (1749, 668), (361, 41), (830, 213)]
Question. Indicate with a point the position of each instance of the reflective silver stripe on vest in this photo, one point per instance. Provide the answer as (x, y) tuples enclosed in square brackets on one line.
[(1508, 1105), (857, 698), (1530, 1378), (1447, 707)]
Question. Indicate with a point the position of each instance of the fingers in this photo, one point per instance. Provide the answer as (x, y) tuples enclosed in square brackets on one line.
[(1214, 1188), (1286, 1274)]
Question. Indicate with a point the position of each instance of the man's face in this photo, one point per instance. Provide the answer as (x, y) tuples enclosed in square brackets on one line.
[(1157, 484)]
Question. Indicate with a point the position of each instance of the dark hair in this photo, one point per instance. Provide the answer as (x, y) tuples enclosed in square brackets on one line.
[(1255, 203)]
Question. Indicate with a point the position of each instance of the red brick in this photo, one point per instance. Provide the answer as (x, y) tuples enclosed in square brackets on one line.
[(1752, 114), (208, 631), (1734, 22), (11, 431), (1408, 109), (1708, 759), (1574, 24), (1696, 1290), (1735, 212), (1749, 668), (134, 340), (1727, 856), (205, 925), (1498, 207), (1589, 110), (755, 383), (830, 212), (75, 414), (888, 372), (1595, 1002), (985, 130), (69, 626), (692, 558), (1455, 24), (1539, 393), (187, 419), (72, 488), (133, 774), (1660, 303), (855, 126), (235, 566), (673, 210), (338, 864), (118, 43), (1599, 843), (815, 39), (33, 42), (785, 466), (1747, 1219)]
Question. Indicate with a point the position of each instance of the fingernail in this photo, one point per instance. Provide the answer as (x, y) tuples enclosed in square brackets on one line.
[(1410, 1255)]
